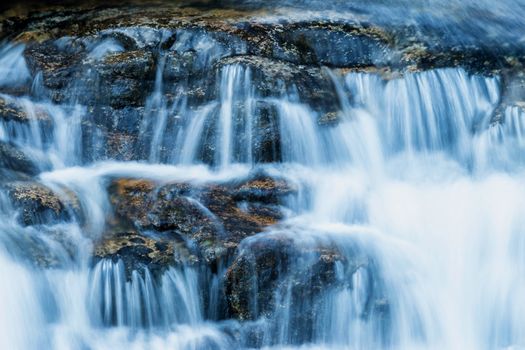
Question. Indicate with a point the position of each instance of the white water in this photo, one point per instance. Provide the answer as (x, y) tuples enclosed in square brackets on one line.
[(413, 177)]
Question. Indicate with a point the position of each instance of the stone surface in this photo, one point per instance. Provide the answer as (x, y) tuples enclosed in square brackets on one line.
[(14, 159), (38, 204), (270, 264), (156, 222)]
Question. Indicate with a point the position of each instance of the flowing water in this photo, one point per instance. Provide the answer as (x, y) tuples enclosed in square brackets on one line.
[(413, 178)]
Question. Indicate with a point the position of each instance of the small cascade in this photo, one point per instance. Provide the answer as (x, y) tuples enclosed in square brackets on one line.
[(502, 143), (140, 302), (235, 88), (459, 106), (14, 71), (156, 113)]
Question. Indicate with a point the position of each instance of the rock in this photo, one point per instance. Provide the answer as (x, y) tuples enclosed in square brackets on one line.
[(334, 45), (58, 67), (38, 204), (111, 133), (286, 280), (329, 118), (125, 92), (268, 264), (209, 220), (148, 207), (179, 66), (265, 134), (195, 50), (140, 251), (263, 189), (272, 78), (512, 97), (136, 64), (14, 159), (118, 79), (44, 247), (267, 140), (11, 111)]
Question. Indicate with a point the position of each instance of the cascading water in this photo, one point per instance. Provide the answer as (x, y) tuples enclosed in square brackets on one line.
[(404, 229)]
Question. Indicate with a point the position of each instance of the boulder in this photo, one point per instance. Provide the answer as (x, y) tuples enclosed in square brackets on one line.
[(124, 78), (59, 67), (204, 222), (138, 251), (38, 204), (289, 283), (274, 78), (14, 159), (332, 44), (135, 64), (268, 264), (13, 111)]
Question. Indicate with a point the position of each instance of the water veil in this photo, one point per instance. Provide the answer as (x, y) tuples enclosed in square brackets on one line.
[(295, 199)]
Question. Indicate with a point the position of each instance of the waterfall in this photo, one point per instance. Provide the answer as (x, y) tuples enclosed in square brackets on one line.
[(402, 227)]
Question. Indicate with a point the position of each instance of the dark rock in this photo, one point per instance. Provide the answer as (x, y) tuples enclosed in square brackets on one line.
[(125, 92), (179, 66), (207, 45), (137, 64), (111, 133), (262, 189), (165, 210), (267, 135), (269, 264), (288, 282), (332, 45), (11, 111), (38, 204), (329, 118), (58, 67), (273, 78), (156, 252), (14, 159), (210, 220)]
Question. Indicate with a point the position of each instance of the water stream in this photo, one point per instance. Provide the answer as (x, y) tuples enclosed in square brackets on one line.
[(413, 179)]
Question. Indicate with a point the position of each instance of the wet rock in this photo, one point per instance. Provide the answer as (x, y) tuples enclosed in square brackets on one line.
[(512, 96), (267, 140), (268, 265), (210, 220), (329, 118), (112, 133), (146, 206), (44, 247), (136, 64), (58, 67), (179, 66), (264, 138), (14, 159), (332, 45), (68, 73), (11, 111), (272, 78), (125, 92), (196, 49), (287, 280), (262, 189), (155, 252), (126, 86), (38, 204)]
